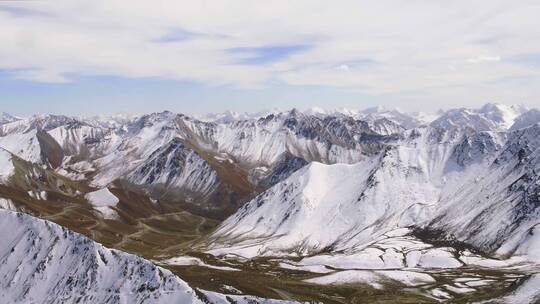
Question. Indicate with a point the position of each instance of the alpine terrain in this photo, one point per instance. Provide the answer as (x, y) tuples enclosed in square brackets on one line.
[(298, 206)]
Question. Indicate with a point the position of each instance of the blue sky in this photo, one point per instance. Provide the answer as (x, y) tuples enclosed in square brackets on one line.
[(88, 57), (96, 95)]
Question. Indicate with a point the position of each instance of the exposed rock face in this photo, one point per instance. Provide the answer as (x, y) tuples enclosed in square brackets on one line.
[(174, 165), (286, 165)]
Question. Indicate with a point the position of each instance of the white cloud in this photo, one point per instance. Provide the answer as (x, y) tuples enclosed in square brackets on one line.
[(414, 46), (481, 59)]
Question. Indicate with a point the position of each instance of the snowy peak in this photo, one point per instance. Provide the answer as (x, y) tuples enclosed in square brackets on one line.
[(405, 120), (232, 116), (463, 118), (490, 117), (111, 121), (7, 118), (503, 115)]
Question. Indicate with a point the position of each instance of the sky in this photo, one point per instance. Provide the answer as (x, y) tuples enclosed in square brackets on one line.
[(90, 57)]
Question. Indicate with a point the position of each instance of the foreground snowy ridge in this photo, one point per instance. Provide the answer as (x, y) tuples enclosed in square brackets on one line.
[(41, 262)]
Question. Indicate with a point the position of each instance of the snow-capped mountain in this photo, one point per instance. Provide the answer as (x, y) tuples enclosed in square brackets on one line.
[(175, 165), (435, 179), (7, 118), (405, 120), (490, 117), (498, 210), (140, 149), (376, 189), (231, 116)]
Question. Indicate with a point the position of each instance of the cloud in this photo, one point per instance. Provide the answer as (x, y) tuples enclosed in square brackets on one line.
[(386, 47), (178, 35), (267, 54), (481, 59), (343, 67)]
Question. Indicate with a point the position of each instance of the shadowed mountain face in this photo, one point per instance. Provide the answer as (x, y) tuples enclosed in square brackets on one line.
[(313, 197)]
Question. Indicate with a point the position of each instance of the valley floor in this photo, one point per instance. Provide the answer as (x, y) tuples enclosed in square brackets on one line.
[(396, 269)]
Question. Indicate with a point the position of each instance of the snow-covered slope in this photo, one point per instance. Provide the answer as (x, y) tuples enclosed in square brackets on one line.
[(41, 122), (499, 208), (6, 165), (78, 138), (438, 179), (120, 152), (526, 119), (25, 145), (295, 215), (334, 184), (282, 168), (340, 206), (41, 262)]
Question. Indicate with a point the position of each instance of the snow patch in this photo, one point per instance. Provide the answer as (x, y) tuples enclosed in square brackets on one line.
[(102, 198)]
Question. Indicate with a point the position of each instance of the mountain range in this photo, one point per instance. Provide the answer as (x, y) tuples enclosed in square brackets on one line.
[(339, 206)]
